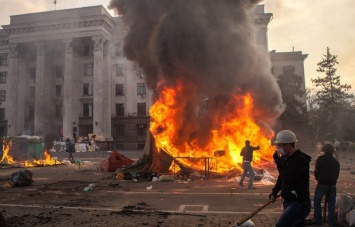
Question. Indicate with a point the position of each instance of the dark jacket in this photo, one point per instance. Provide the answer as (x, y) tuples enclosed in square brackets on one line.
[(327, 169), (247, 152), (293, 179)]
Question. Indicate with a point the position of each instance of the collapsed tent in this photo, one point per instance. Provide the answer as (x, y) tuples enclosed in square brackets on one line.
[(115, 161)]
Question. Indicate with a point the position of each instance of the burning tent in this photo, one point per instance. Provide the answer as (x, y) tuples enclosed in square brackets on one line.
[(213, 84)]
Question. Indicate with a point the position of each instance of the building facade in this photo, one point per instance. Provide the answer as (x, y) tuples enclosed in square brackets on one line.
[(63, 72)]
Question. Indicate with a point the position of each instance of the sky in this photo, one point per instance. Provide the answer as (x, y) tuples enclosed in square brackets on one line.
[(300, 25)]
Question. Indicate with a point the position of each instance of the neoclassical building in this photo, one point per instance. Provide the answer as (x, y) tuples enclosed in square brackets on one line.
[(64, 72)]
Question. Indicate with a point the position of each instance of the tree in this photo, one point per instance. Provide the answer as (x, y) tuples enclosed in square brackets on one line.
[(332, 99), (295, 115)]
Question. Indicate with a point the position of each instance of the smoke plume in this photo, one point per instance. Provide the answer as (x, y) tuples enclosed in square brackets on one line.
[(207, 43)]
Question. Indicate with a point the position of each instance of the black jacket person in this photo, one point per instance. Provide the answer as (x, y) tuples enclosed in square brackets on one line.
[(293, 180)]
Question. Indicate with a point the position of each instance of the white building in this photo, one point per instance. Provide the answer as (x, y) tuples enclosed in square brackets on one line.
[(63, 71)]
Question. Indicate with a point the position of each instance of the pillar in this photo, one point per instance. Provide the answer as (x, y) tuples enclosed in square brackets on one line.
[(68, 90), (98, 86), (12, 91), (41, 111)]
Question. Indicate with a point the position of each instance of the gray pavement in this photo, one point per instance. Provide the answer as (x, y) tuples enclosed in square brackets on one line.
[(57, 198)]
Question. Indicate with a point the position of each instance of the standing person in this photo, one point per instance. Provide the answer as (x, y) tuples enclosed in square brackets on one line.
[(70, 149), (293, 180), (326, 172), (247, 153)]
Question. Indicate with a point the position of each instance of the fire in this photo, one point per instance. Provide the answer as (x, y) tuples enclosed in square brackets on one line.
[(232, 129), (47, 160), (5, 153)]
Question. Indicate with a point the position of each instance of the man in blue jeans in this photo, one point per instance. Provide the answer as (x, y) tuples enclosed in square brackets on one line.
[(293, 180), (326, 172), (247, 153)]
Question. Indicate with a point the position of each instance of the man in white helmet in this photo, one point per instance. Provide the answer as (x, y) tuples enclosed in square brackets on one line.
[(293, 180)]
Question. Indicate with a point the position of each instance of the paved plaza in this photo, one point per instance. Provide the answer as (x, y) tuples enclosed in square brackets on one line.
[(57, 197)]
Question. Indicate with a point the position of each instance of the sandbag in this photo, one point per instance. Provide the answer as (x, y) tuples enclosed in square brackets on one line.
[(350, 218), (22, 178), (345, 204)]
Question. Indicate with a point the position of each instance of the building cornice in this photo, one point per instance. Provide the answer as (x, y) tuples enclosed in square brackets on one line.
[(11, 30)]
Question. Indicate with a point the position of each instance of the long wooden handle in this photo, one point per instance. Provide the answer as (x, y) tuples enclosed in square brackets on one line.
[(253, 213)]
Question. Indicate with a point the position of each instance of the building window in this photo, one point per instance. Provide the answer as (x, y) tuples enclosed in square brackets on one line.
[(32, 92), (87, 109), (119, 146), (88, 50), (139, 72), (2, 95), (141, 129), (141, 89), (120, 130), (87, 89), (141, 146), (58, 70), (31, 112), (141, 108), (58, 110), (288, 69), (3, 60), (2, 113), (89, 69), (3, 76), (119, 110), (118, 70), (119, 89), (32, 73), (58, 90)]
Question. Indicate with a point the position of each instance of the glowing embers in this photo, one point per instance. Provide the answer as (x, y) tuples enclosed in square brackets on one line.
[(183, 126)]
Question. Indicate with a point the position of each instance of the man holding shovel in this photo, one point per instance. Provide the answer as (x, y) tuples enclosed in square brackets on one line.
[(293, 180)]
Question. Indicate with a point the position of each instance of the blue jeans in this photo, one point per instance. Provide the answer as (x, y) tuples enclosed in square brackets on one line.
[(330, 192), (247, 168), (294, 214)]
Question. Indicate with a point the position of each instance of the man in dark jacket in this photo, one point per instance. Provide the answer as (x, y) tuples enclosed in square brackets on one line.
[(293, 180), (326, 172), (247, 153)]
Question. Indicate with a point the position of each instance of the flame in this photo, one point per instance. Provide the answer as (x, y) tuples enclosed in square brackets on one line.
[(233, 129), (6, 147), (47, 160)]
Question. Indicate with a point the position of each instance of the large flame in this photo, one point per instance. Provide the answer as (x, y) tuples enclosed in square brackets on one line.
[(6, 158), (234, 128)]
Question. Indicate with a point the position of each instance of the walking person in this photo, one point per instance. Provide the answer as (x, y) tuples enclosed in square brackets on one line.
[(293, 180), (326, 172), (247, 153), (70, 148)]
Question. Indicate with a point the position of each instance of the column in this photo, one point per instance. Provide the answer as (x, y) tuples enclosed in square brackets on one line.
[(98, 86), (40, 108), (107, 91), (21, 100), (68, 90), (12, 91)]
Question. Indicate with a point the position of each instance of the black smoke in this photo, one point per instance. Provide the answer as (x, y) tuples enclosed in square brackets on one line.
[(208, 43)]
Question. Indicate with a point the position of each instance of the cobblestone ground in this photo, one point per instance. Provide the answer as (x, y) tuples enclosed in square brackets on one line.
[(29, 217)]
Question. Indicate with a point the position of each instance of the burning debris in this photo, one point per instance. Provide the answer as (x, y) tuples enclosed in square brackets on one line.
[(213, 84), (6, 158), (22, 148)]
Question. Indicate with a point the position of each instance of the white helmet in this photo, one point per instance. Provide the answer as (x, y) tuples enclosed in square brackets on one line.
[(285, 136)]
